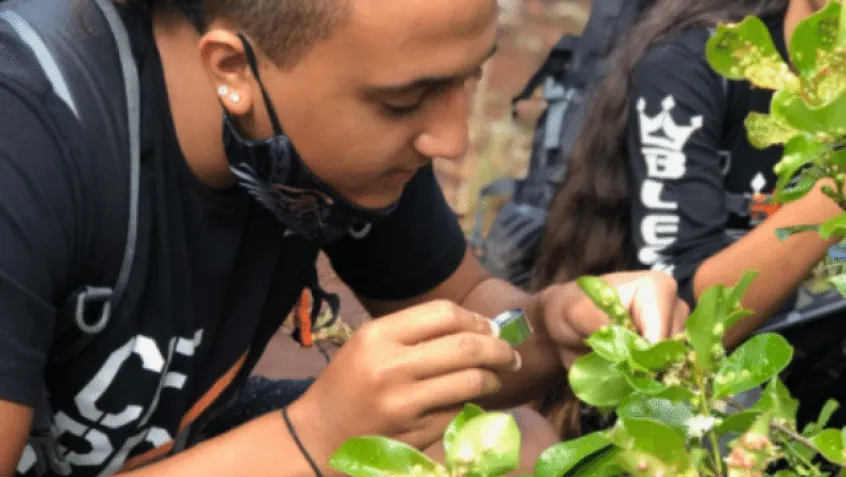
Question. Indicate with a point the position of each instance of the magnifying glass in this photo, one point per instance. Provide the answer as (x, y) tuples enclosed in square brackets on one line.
[(513, 326)]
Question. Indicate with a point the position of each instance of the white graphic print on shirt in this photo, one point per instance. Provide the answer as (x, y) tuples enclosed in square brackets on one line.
[(662, 145), (95, 423)]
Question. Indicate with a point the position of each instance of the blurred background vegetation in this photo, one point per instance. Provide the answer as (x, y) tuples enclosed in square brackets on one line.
[(499, 144)]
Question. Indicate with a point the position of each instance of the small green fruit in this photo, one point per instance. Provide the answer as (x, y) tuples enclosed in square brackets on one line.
[(487, 445)]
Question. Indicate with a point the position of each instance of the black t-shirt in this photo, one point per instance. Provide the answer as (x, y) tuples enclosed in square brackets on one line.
[(697, 183), (213, 278)]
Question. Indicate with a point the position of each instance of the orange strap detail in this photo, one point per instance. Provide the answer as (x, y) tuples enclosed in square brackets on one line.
[(304, 318)]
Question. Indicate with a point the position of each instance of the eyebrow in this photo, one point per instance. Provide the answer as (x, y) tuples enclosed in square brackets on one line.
[(430, 81)]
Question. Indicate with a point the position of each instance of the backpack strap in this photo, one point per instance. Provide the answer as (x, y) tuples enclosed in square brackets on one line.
[(43, 26), (108, 298)]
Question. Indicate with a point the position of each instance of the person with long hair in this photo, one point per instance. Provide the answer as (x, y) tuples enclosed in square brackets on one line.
[(270, 130), (663, 177)]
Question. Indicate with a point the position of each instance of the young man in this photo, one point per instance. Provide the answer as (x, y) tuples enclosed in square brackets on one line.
[(231, 220)]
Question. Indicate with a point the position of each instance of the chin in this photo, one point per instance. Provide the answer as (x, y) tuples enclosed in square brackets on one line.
[(385, 196), (378, 200)]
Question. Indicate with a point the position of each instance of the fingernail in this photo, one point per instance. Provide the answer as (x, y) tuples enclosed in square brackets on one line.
[(495, 330), (518, 362), (653, 337)]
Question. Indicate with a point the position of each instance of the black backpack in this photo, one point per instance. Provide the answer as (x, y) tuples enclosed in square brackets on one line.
[(569, 76), (104, 95), (101, 86)]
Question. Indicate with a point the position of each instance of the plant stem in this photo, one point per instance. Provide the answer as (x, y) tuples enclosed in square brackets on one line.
[(785, 430), (811, 467), (718, 461), (702, 385), (795, 436)]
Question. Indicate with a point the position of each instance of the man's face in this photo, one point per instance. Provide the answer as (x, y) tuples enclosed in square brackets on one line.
[(386, 94)]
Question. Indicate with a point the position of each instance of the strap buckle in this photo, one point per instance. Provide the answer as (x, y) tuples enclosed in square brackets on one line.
[(45, 445), (101, 296)]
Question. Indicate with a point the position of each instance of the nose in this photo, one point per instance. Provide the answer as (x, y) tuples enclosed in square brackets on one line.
[(445, 135)]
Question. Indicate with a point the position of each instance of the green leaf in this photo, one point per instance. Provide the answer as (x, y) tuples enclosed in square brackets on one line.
[(469, 412), (601, 464), (777, 401), (765, 130), (841, 30), (792, 109), (374, 456), (756, 361), (745, 50), (673, 414), (675, 394), (641, 464), (643, 384), (808, 178), (660, 355), (651, 438), (738, 422), (826, 119), (838, 282), (704, 326), (820, 61), (784, 233), (735, 317), (699, 457), (597, 382), (614, 342), (812, 37), (486, 446), (733, 303), (737, 292), (798, 153), (835, 227), (829, 408), (564, 456), (830, 444)]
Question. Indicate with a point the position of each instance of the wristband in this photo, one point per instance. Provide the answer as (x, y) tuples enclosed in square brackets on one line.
[(299, 443)]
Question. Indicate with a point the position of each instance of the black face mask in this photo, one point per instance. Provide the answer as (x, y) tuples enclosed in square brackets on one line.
[(272, 172)]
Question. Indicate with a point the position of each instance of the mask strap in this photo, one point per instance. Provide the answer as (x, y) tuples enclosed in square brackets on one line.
[(251, 59)]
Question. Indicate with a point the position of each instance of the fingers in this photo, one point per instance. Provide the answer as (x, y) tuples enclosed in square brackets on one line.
[(432, 320), (680, 315), (453, 389), (570, 355), (652, 302), (458, 352), (571, 316), (430, 429)]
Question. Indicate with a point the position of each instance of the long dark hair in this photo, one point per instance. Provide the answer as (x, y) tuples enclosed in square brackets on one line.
[(589, 231)]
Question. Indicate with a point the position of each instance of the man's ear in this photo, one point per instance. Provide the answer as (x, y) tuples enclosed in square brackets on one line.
[(223, 56)]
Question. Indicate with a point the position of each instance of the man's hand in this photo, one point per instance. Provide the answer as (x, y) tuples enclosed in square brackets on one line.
[(403, 376), (651, 298)]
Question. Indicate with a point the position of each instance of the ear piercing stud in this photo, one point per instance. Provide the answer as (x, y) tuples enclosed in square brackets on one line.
[(223, 90)]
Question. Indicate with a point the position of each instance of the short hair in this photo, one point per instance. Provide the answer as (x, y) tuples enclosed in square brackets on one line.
[(284, 30)]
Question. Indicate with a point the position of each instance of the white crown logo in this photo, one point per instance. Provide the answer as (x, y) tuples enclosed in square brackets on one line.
[(661, 130)]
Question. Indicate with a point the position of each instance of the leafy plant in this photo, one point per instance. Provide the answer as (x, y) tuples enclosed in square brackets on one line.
[(675, 401), (808, 109), (476, 443)]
